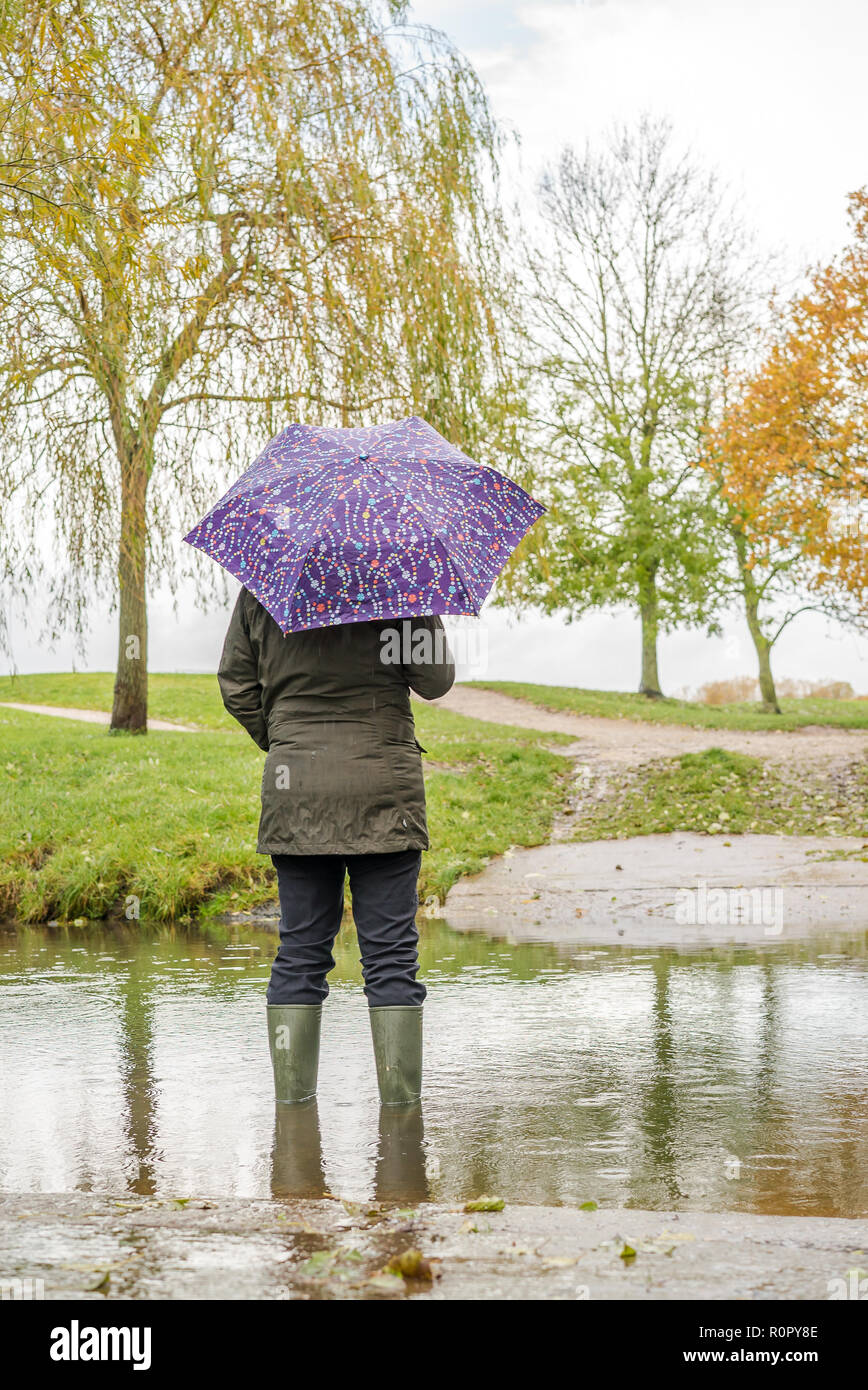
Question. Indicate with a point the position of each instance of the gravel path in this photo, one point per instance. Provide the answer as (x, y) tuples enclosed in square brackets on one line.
[(94, 716), (632, 741)]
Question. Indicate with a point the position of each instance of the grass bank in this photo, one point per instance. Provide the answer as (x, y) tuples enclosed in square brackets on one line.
[(92, 825), (717, 792), (614, 704)]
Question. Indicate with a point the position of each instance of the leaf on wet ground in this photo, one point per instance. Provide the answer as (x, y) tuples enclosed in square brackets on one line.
[(627, 1254), (386, 1283), (353, 1208), (410, 1264), (99, 1276), (485, 1203), (588, 1206), (664, 1244), (337, 1263)]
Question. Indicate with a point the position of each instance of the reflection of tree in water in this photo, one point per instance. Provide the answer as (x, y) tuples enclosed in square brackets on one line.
[(137, 1077), (758, 1188), (658, 1110), (749, 1118), (781, 1175)]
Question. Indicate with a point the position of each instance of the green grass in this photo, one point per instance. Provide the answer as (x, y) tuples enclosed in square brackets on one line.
[(88, 820), (613, 704), (196, 700), (723, 793)]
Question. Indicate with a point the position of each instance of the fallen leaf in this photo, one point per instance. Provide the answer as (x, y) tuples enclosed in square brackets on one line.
[(485, 1204), (388, 1283), (410, 1264)]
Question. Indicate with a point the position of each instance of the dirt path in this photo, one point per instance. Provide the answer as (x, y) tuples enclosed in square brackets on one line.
[(631, 741)]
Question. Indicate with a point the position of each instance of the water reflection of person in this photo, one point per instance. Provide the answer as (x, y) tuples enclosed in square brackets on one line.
[(296, 1156), (298, 1170), (401, 1178)]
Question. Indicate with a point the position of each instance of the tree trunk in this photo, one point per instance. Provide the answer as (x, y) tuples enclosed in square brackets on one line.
[(130, 708), (764, 657), (762, 645), (650, 682)]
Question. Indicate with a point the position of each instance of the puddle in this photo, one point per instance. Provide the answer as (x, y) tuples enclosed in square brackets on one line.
[(727, 1079)]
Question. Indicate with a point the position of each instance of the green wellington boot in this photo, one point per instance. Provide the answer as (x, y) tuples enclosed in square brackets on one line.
[(397, 1033), (293, 1038)]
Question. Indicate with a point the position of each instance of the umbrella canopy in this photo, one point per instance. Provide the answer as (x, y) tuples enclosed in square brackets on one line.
[(334, 526)]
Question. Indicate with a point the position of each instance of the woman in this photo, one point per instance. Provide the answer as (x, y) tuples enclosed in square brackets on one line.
[(342, 793)]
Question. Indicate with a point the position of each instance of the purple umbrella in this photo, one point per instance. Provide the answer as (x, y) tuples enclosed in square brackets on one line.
[(334, 526)]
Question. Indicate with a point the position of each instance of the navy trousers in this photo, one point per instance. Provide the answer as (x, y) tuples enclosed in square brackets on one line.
[(311, 888)]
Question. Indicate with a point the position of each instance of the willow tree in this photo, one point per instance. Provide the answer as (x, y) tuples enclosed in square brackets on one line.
[(250, 213), (637, 301)]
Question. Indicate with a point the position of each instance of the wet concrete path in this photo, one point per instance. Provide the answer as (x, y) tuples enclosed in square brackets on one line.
[(101, 1247)]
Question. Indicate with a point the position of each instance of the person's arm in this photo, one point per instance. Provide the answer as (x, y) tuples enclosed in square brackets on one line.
[(238, 678), (431, 670)]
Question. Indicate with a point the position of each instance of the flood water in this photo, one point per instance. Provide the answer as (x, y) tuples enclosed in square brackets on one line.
[(732, 1079)]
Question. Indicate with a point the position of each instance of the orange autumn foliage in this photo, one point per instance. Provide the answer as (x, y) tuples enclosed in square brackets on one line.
[(791, 451)]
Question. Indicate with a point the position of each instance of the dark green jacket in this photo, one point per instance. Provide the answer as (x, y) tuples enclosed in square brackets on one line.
[(343, 773)]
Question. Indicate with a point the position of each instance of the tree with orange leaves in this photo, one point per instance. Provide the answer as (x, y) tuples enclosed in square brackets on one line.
[(790, 457)]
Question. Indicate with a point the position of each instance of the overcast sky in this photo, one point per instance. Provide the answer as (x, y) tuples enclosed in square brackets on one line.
[(773, 94)]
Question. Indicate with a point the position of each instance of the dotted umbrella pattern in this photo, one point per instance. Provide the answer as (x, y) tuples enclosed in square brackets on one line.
[(333, 526)]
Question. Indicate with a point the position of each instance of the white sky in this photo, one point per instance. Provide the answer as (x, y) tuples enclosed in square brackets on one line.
[(773, 92)]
